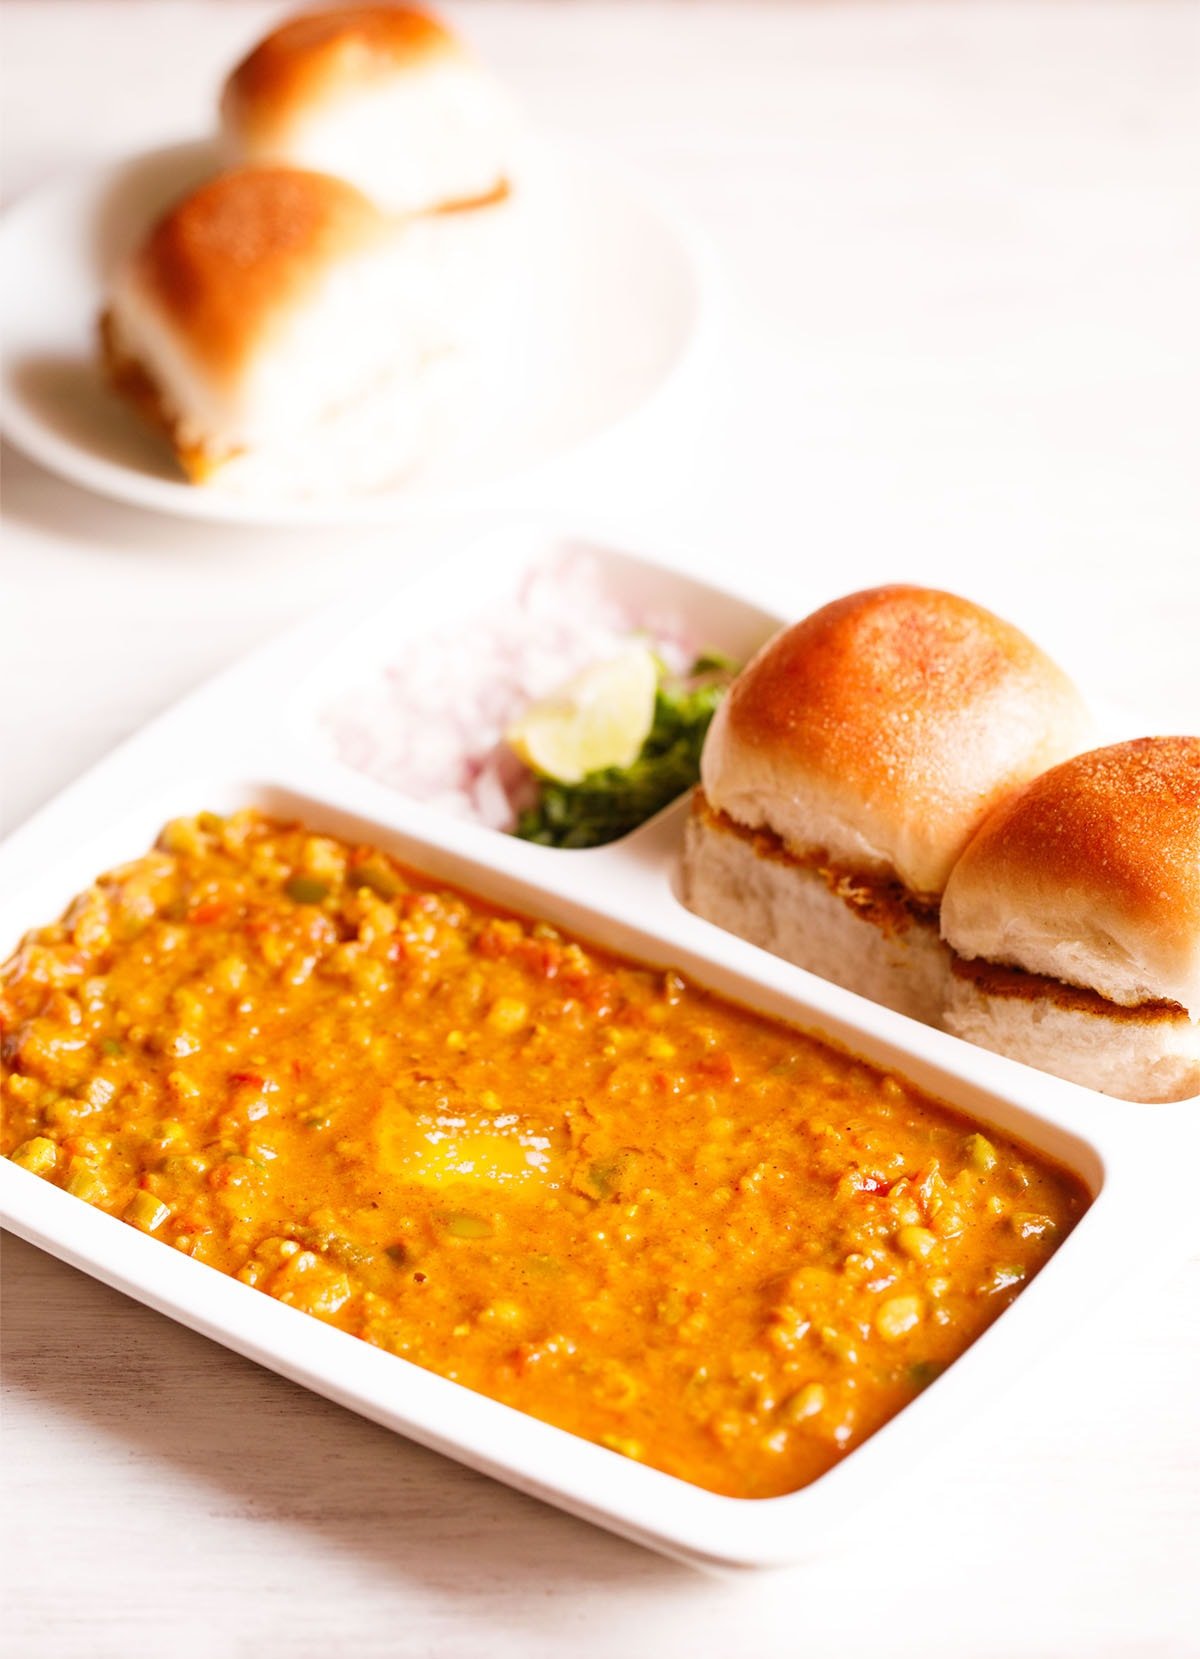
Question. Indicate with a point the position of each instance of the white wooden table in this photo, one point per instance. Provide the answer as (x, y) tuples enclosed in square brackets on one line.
[(960, 344)]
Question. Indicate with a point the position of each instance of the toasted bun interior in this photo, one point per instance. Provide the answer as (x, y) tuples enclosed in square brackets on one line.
[(801, 913), (1091, 875), (884, 727), (1150, 1053)]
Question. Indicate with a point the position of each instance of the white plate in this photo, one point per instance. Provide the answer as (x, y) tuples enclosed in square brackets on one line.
[(250, 738), (607, 310)]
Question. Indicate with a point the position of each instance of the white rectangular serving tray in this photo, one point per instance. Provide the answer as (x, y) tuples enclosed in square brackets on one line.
[(250, 738)]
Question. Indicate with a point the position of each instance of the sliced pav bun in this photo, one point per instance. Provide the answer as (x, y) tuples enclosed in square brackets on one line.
[(883, 727), (846, 769), (259, 304), (382, 95), (1074, 915), (1091, 875)]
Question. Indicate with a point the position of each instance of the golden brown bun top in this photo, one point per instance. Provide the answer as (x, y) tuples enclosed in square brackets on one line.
[(883, 727), (227, 260), (320, 54), (1091, 874)]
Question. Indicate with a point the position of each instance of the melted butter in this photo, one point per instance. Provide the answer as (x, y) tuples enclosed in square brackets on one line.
[(483, 1151)]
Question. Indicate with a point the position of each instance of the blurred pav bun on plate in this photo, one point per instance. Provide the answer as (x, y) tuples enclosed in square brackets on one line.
[(847, 768), (1074, 914), (382, 95), (259, 310)]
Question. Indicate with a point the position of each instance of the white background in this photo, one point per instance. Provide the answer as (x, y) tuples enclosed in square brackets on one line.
[(959, 342)]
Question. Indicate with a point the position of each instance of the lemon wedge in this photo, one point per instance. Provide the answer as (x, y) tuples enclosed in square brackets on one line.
[(600, 718)]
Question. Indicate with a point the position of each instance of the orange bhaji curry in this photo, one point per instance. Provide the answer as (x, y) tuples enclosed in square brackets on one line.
[(576, 1184)]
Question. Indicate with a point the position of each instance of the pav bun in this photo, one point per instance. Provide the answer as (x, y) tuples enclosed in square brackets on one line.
[(845, 771), (259, 304), (382, 95), (883, 728), (1091, 875), (1074, 915)]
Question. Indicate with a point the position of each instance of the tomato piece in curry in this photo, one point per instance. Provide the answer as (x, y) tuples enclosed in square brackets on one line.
[(577, 1184)]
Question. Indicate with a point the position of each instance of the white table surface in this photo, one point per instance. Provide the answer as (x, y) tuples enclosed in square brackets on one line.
[(960, 343)]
